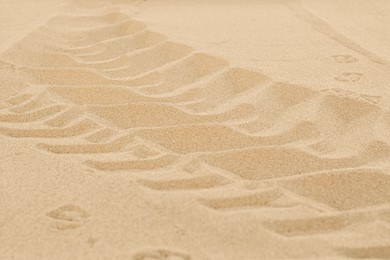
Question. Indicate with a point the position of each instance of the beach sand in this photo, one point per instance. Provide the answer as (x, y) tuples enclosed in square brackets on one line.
[(195, 129)]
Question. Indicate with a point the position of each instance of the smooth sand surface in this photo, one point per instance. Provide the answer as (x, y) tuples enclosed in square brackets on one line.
[(195, 129)]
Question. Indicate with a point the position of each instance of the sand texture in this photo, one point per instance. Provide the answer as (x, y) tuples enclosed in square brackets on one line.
[(191, 130)]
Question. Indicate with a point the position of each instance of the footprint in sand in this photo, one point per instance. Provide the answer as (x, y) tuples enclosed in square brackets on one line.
[(161, 254), (371, 98), (67, 217), (344, 58), (349, 77)]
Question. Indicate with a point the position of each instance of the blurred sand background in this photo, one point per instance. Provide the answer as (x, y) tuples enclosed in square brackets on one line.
[(194, 129)]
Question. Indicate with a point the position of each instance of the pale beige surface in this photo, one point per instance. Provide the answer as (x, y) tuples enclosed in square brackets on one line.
[(194, 129)]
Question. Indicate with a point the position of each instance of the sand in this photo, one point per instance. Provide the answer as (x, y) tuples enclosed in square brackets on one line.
[(195, 129)]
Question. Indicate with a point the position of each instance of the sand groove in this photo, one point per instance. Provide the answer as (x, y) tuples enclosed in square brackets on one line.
[(73, 130), (143, 164), (269, 198), (160, 254), (32, 116), (201, 182), (377, 252)]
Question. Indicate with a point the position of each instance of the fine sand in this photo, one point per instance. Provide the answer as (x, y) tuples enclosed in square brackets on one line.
[(191, 130)]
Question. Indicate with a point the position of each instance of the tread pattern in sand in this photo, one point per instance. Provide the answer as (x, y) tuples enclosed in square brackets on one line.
[(111, 88)]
